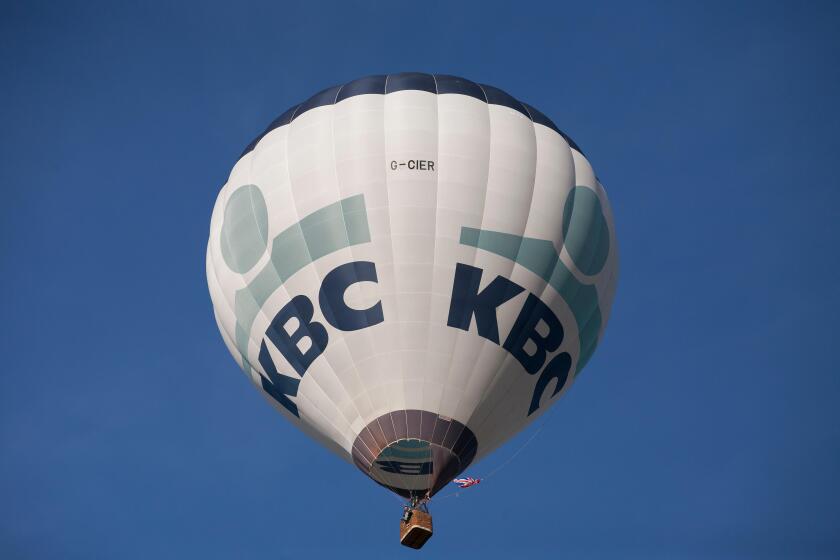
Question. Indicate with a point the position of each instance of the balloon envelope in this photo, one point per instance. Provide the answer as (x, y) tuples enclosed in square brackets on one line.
[(412, 268)]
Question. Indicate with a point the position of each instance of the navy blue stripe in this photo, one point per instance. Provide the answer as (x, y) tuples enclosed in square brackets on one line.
[(454, 84), (282, 120), (415, 81), (325, 97), (540, 118), (495, 96), (363, 86), (410, 80)]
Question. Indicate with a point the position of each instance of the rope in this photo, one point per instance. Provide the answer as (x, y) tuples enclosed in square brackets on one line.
[(492, 473), (456, 493)]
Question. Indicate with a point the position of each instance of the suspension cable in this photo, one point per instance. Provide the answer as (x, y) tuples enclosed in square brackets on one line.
[(509, 459)]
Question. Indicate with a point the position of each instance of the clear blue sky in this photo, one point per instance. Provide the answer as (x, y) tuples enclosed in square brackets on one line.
[(706, 426)]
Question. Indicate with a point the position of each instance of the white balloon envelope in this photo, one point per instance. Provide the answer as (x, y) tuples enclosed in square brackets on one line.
[(412, 268)]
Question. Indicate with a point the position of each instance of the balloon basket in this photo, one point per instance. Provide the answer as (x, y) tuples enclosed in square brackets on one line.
[(417, 530)]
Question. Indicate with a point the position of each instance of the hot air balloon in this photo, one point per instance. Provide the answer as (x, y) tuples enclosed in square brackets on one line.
[(412, 268)]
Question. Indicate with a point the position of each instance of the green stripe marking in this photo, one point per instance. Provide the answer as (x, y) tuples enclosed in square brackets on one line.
[(540, 257), (329, 229)]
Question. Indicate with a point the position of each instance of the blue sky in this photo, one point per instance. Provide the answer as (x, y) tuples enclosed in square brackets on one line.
[(706, 425)]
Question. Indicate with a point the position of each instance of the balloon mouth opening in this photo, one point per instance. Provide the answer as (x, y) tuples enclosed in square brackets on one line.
[(414, 453), (412, 467)]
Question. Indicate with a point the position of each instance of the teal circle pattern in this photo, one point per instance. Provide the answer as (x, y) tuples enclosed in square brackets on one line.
[(244, 229), (586, 234)]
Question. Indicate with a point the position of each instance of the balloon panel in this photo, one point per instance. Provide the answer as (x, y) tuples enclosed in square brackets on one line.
[(412, 268)]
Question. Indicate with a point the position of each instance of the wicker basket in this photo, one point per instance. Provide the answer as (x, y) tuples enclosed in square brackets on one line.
[(417, 530)]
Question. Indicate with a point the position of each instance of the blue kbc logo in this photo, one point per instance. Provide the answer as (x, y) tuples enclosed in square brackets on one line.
[(403, 467), (344, 224), (467, 302)]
